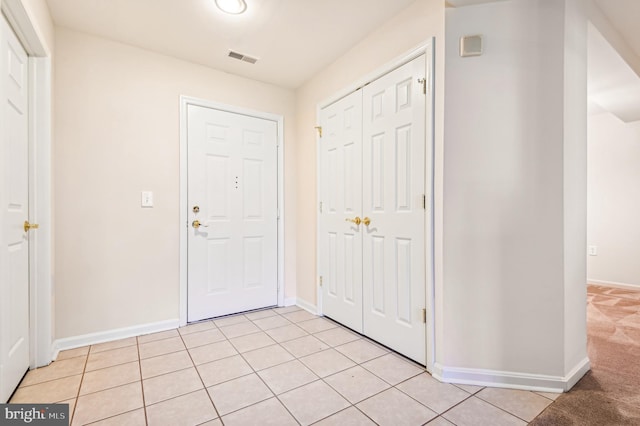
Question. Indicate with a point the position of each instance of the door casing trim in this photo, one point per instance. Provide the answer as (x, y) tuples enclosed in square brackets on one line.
[(40, 195), (185, 101), (427, 48)]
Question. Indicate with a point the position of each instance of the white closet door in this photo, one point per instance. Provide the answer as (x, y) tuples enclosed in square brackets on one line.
[(340, 242), (233, 183), (394, 186), (14, 210)]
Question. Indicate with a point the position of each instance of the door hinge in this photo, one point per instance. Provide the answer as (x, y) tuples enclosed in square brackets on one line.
[(423, 81), (320, 207), (278, 213), (320, 280), (424, 201), (319, 129), (424, 316)]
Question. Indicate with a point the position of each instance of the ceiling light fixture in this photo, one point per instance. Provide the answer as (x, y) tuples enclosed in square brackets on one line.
[(234, 7)]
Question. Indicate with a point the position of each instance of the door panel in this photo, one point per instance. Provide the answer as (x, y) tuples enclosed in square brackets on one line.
[(394, 185), (340, 242), (232, 178), (14, 210)]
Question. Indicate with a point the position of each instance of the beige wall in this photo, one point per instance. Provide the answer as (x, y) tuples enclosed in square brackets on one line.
[(116, 134), (614, 200), (419, 22)]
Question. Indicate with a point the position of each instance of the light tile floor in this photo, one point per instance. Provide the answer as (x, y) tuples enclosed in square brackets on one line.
[(273, 367)]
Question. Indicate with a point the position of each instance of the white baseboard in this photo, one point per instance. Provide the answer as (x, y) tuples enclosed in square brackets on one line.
[(109, 335), (511, 380), (307, 306), (576, 374), (614, 284)]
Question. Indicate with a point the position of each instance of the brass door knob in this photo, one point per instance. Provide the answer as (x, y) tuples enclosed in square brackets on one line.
[(366, 221), (356, 220), (28, 226), (196, 224)]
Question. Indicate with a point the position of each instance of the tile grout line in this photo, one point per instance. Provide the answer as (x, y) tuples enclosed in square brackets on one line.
[(351, 404), (45, 381), (110, 387), (377, 393), (452, 407), (540, 413), (111, 417), (109, 350), (276, 396), (265, 383), (84, 369), (159, 375), (359, 364), (340, 411), (552, 400), (503, 409), (258, 375), (411, 397), (144, 402), (458, 386), (322, 379), (381, 378), (469, 395), (204, 386), (112, 349)]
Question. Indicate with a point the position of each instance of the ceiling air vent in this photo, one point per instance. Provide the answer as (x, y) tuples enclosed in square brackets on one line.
[(241, 57)]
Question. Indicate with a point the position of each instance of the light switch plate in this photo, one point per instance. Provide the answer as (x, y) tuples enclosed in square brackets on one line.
[(592, 250), (147, 199)]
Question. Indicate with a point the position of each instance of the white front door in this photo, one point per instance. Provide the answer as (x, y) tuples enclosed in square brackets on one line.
[(394, 262), (341, 192), (372, 170), (233, 211), (14, 210)]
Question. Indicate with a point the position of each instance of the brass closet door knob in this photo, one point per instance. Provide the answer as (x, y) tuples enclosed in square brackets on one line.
[(356, 220), (28, 226)]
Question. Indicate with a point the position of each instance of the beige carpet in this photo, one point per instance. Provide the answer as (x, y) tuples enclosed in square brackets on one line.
[(610, 393)]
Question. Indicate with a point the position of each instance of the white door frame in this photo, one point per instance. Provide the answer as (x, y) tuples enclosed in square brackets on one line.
[(40, 242), (427, 48), (184, 220)]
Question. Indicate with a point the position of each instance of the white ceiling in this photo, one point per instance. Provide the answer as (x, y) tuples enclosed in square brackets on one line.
[(614, 84), (624, 15), (293, 39)]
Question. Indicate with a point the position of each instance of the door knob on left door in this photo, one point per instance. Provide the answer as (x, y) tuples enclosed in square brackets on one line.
[(357, 220), (28, 226), (196, 224)]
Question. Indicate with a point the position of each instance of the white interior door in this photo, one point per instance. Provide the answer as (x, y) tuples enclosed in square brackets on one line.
[(14, 196), (372, 167), (341, 191), (232, 193), (394, 262)]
